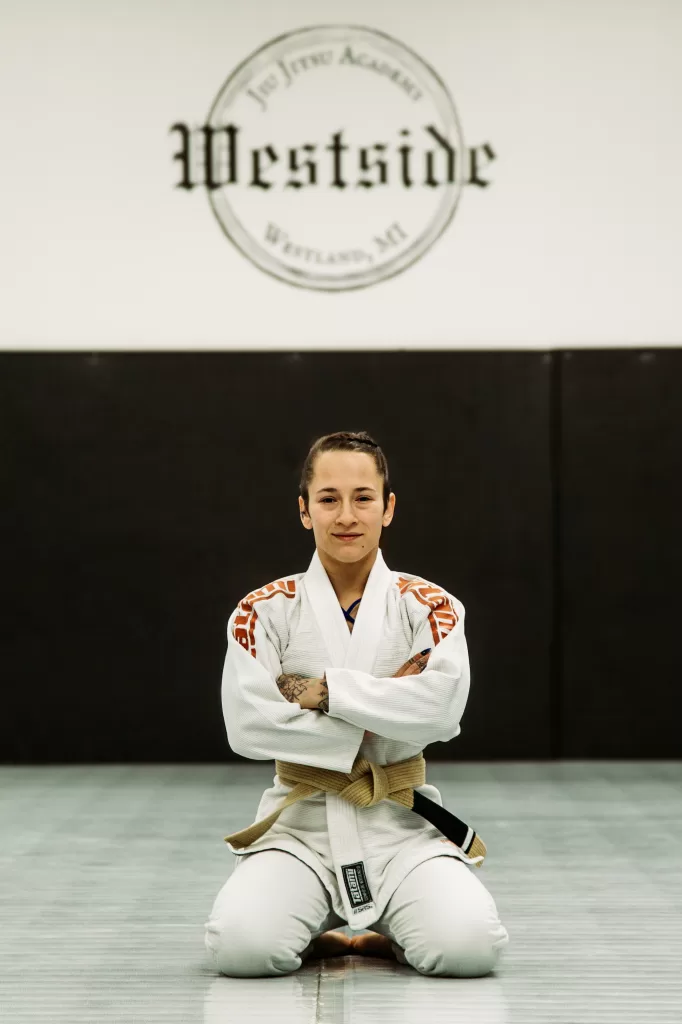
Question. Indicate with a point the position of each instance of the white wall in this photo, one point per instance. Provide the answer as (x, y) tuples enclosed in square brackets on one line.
[(576, 242)]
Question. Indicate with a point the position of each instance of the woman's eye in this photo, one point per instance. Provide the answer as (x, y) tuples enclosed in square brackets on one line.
[(362, 497)]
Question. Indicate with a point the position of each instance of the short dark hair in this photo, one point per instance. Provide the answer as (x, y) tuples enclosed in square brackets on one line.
[(344, 441)]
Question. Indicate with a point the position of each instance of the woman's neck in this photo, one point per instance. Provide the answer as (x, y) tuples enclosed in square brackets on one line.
[(349, 579)]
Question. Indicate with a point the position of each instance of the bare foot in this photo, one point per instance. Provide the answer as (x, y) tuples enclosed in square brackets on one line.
[(331, 944), (372, 944)]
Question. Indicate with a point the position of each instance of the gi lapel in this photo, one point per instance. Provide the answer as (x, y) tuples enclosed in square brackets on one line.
[(369, 622), (327, 612), (358, 649)]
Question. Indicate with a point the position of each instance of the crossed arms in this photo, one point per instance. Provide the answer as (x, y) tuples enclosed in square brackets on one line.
[(261, 725), (313, 694)]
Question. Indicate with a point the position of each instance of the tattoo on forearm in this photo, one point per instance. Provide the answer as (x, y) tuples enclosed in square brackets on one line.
[(292, 686), (324, 700)]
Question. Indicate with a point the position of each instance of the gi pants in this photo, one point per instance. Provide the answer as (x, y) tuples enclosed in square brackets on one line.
[(441, 919)]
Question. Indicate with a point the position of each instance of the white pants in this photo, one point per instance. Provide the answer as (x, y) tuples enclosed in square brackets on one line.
[(441, 919)]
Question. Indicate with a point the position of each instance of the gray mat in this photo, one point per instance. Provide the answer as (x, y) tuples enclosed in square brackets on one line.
[(108, 873)]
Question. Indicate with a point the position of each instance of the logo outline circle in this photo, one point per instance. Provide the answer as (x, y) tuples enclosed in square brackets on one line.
[(249, 247)]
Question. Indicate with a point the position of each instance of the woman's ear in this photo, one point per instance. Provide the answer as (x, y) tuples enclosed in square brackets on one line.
[(303, 512), (390, 509)]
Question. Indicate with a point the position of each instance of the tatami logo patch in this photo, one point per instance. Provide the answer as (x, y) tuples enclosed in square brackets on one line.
[(356, 884)]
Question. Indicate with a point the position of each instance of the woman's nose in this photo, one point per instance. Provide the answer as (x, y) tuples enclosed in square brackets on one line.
[(346, 513)]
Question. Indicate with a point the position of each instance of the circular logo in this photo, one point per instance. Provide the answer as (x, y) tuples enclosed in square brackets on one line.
[(334, 156)]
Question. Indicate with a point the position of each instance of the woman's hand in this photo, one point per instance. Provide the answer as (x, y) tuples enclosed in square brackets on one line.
[(414, 665), (310, 694)]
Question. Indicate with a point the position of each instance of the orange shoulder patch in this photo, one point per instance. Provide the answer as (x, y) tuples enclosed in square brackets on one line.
[(244, 630), (442, 615)]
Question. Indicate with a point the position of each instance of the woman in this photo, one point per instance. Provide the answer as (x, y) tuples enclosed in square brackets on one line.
[(342, 675)]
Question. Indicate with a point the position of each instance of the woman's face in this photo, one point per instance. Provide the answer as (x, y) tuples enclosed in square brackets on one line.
[(346, 505)]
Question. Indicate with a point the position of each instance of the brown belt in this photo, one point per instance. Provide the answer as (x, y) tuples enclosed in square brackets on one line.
[(365, 785)]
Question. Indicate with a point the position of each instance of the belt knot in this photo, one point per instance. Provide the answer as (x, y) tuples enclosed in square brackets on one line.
[(369, 786), (366, 785)]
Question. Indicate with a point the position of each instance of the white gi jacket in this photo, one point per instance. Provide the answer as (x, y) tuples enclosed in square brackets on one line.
[(296, 625)]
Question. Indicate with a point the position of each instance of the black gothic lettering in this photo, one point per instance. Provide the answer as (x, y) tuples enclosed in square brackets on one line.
[(474, 164), (430, 159), (184, 156), (379, 164), (336, 148), (216, 156), (256, 180), (405, 153), (295, 166)]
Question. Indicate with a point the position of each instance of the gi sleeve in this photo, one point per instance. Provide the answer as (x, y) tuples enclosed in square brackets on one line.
[(263, 725), (418, 709)]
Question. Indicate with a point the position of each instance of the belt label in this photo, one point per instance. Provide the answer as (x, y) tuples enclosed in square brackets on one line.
[(356, 884)]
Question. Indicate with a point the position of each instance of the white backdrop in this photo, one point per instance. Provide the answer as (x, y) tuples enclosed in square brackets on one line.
[(576, 242)]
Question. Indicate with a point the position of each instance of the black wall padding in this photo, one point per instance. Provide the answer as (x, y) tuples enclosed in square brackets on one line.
[(144, 494), (620, 530)]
